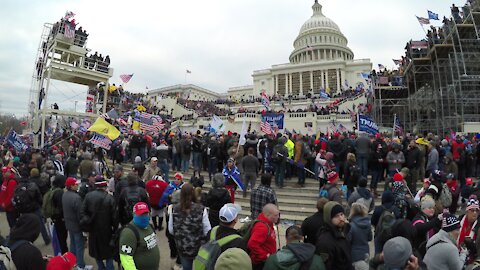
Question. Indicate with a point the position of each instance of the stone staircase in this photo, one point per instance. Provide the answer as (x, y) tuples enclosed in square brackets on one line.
[(295, 204)]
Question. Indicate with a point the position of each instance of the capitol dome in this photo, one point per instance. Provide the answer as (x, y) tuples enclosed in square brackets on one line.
[(320, 39)]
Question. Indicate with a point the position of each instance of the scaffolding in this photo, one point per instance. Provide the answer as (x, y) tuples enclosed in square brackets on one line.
[(62, 56), (441, 89)]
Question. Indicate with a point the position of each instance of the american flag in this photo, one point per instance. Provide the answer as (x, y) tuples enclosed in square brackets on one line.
[(69, 31), (265, 100), (126, 77), (266, 128), (397, 62), (380, 66), (149, 122), (397, 127), (422, 20), (69, 15)]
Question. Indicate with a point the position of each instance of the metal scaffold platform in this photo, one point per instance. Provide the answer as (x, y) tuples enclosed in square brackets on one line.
[(62, 56)]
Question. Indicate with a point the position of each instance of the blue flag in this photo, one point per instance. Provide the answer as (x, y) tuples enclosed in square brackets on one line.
[(14, 140), (366, 124), (432, 16)]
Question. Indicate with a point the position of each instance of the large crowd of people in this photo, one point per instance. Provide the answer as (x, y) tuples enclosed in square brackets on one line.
[(72, 183)]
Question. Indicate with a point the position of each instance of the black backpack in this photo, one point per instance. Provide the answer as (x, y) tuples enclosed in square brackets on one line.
[(132, 197), (383, 231), (24, 196), (187, 148), (197, 181)]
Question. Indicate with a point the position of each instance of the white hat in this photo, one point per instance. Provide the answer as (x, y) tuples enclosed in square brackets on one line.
[(229, 212)]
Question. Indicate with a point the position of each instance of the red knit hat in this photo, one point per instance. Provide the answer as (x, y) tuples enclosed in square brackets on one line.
[(397, 177)]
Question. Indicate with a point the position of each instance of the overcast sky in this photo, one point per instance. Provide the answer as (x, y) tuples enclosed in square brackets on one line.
[(221, 41)]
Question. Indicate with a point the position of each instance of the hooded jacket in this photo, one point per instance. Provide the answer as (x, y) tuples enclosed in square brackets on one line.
[(359, 236), (364, 193), (27, 256), (216, 199), (292, 256), (442, 253), (333, 242)]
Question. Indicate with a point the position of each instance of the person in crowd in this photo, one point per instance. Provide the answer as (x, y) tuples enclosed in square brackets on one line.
[(395, 159), (99, 208), (138, 242), (300, 149), (262, 195), (217, 197), (87, 185), (421, 193), (397, 254), (426, 224), (250, 167), (25, 254), (262, 242), (330, 190), (351, 173), (412, 162), (388, 204), (433, 159), (72, 205), (332, 238), (163, 157), (129, 197), (188, 223), (176, 184), (138, 166), (71, 166), (359, 235), (442, 251), (186, 151), (313, 223), (57, 217), (279, 158), (86, 166), (213, 152), (6, 195), (362, 152), (197, 150), (376, 166), (362, 195), (119, 182), (155, 188), (339, 153), (228, 218), (233, 259), (151, 170), (231, 175), (468, 225), (295, 255)]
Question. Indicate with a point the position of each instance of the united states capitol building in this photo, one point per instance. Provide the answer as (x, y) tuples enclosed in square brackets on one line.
[(320, 61)]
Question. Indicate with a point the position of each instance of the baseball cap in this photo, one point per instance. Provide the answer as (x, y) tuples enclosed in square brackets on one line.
[(154, 159), (229, 212), (140, 208), (71, 181), (468, 181), (178, 176), (6, 169)]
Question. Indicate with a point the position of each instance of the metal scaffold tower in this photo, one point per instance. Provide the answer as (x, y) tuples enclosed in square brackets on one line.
[(62, 56), (441, 90)]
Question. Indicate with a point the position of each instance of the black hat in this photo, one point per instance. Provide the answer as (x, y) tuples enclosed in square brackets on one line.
[(335, 210)]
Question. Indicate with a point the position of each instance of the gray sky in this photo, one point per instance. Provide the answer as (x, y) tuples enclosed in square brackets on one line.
[(220, 41)]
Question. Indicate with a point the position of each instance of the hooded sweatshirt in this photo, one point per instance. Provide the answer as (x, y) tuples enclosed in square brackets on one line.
[(442, 253), (27, 256), (359, 236), (363, 195), (292, 256), (332, 241)]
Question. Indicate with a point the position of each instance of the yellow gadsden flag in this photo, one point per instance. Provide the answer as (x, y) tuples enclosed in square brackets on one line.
[(103, 127)]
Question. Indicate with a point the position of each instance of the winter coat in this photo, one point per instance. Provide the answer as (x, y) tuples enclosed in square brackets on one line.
[(412, 158), (364, 193), (311, 225), (359, 236), (6, 193), (338, 149), (216, 199), (85, 168), (333, 242), (261, 243), (72, 206), (155, 189), (104, 223), (442, 253), (395, 160), (425, 228), (362, 146), (433, 159), (292, 256), (71, 167)]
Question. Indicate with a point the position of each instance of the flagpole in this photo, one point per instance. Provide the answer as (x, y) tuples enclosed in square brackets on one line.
[(394, 121)]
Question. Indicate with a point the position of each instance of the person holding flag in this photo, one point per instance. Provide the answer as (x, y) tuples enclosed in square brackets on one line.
[(232, 178)]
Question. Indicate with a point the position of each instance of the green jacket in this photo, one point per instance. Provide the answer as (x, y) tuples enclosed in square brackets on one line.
[(291, 255)]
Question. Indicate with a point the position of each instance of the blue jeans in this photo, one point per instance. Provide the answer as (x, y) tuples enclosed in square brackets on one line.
[(187, 263), (279, 174), (376, 175), (362, 160), (301, 176), (77, 247), (176, 162), (212, 167), (197, 161), (107, 266), (185, 163), (163, 166)]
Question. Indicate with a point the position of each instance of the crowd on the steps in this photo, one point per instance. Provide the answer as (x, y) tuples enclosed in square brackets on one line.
[(427, 218)]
